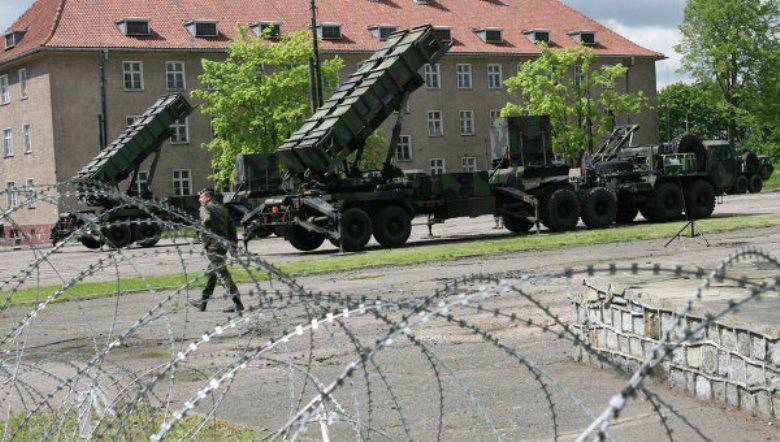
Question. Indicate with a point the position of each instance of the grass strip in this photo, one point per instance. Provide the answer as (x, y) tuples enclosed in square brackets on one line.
[(406, 256)]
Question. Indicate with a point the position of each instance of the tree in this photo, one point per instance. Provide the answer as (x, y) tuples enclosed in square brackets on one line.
[(259, 96), (691, 108), (733, 43), (581, 99)]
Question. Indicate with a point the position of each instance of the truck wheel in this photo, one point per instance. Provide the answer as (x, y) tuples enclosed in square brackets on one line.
[(119, 236), (304, 240), (562, 211), (599, 208), (355, 229), (699, 199), (755, 184), (665, 204), (766, 172), (626, 213), (148, 235), (740, 185), (517, 224), (392, 226), (91, 243)]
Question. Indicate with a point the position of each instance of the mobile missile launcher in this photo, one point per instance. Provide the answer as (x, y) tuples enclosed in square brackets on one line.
[(339, 202), (753, 171), (660, 181)]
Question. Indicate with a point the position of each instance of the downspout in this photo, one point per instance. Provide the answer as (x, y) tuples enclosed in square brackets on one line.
[(631, 62), (103, 120)]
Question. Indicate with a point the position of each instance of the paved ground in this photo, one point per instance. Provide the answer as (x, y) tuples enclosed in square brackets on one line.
[(261, 395)]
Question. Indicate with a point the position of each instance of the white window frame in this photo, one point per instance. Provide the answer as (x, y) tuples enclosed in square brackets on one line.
[(30, 187), (404, 146), (432, 76), (434, 117), (469, 163), (8, 142), (438, 166), (5, 90), (128, 69), (178, 181), (142, 178), (23, 83), (464, 76), (466, 122), (492, 75), (10, 192), (174, 74), (176, 126), (27, 138)]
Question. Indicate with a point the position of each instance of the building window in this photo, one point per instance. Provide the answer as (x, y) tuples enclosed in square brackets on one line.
[(135, 27), (202, 28), (464, 76), (181, 132), (132, 120), (495, 114), (23, 82), (435, 128), (437, 166), (30, 193), (182, 183), (404, 150), (8, 143), (382, 32), (444, 34), (5, 90), (469, 164), (134, 75), (174, 73), (10, 193), (538, 35), (267, 29), (466, 122), (142, 181), (432, 76), (26, 138), (330, 31), (495, 81)]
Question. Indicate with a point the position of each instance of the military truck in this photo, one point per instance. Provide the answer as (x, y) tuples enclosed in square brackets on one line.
[(337, 201), (661, 181), (753, 171)]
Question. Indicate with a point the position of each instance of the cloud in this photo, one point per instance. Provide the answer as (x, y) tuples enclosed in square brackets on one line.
[(666, 13), (10, 10)]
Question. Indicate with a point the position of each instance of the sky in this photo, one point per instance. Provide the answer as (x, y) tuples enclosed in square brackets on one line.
[(649, 23)]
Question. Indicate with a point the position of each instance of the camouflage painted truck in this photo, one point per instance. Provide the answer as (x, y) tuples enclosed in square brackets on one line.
[(337, 201), (753, 171), (663, 182), (116, 163)]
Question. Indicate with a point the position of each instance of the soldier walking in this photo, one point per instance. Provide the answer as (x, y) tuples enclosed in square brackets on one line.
[(215, 217)]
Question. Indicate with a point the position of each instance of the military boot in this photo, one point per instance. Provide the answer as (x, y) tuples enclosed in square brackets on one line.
[(237, 306)]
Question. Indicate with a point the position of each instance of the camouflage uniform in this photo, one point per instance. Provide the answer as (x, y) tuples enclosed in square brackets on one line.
[(216, 218)]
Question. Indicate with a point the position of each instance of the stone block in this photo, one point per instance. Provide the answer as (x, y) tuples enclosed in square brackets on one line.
[(635, 347), (758, 349), (638, 324), (723, 363), (652, 325), (743, 343), (755, 376), (697, 335), (747, 401), (776, 404), (774, 353), (677, 380), (623, 344), (713, 334), (647, 348), (617, 319), (732, 395), (605, 318), (694, 357), (703, 388), (678, 355), (690, 382), (719, 391), (602, 338), (737, 369), (628, 322), (667, 322), (709, 359), (728, 338), (612, 341), (764, 404), (594, 315)]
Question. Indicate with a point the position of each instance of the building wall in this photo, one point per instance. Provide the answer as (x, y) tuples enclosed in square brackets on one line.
[(36, 111)]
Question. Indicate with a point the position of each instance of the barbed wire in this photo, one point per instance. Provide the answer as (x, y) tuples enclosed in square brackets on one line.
[(355, 363)]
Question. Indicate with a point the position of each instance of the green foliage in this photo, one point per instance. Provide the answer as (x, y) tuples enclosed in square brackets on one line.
[(734, 44), (550, 85), (259, 96), (691, 108), (375, 151)]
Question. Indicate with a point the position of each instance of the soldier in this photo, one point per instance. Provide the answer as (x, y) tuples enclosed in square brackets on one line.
[(215, 217)]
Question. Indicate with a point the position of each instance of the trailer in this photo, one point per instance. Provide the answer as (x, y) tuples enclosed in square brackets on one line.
[(337, 201)]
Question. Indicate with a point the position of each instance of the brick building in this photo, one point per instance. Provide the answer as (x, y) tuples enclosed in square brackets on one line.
[(74, 72)]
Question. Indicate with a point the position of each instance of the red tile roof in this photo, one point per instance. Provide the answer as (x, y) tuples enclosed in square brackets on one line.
[(92, 23)]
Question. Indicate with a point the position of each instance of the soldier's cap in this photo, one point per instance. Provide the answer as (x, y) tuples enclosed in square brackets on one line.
[(207, 191)]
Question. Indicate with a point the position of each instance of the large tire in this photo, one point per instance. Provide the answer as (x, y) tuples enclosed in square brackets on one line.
[(665, 204), (356, 229), (304, 240), (614, 166), (517, 224), (692, 144), (392, 226), (755, 184), (119, 236), (740, 185), (599, 208), (699, 199), (91, 242), (766, 172), (561, 211), (626, 213), (148, 235)]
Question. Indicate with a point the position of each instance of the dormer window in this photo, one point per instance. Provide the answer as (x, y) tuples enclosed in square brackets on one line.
[(421, 2), (588, 38), (202, 28), (490, 35), (135, 27), (13, 37), (272, 30), (538, 35), (329, 31), (444, 33), (382, 32)]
